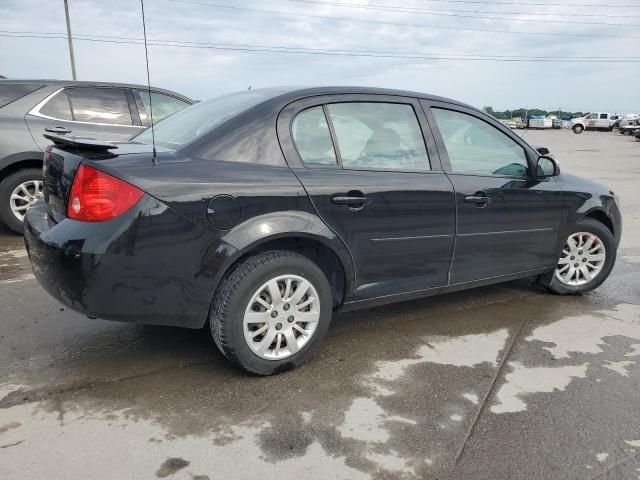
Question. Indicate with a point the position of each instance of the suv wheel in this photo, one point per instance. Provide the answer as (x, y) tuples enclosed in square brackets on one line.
[(586, 259), (17, 192), (578, 129), (271, 311)]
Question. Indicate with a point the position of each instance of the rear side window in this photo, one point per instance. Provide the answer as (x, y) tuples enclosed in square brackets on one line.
[(100, 105), (163, 105), (12, 92), (312, 137), (378, 136), (58, 107), (603, 116)]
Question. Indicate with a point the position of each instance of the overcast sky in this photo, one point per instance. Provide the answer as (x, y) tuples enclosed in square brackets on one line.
[(204, 72)]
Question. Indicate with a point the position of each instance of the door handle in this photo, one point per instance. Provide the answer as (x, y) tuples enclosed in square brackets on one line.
[(479, 200), (61, 130), (350, 201)]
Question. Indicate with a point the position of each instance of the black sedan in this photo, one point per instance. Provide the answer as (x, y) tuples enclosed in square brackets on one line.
[(260, 213)]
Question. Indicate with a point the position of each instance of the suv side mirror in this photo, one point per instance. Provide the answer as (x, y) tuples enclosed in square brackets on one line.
[(547, 167)]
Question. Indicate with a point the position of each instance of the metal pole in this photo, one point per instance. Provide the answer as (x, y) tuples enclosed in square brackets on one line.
[(70, 40)]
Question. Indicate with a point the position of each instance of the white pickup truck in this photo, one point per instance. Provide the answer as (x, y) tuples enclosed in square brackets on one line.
[(593, 121)]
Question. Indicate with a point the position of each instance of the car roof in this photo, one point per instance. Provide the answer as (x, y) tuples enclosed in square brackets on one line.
[(296, 93), (81, 83)]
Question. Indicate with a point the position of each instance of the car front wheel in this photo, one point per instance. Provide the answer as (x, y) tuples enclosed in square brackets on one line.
[(586, 260), (578, 129), (271, 312)]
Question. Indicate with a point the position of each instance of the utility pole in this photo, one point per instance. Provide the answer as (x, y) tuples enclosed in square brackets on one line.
[(70, 40)]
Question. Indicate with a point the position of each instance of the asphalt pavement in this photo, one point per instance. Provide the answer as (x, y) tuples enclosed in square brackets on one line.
[(500, 382)]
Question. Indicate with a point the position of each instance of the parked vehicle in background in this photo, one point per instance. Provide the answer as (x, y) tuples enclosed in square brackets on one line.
[(264, 211), (630, 128), (509, 124), (540, 122), (637, 135), (30, 108), (593, 121), (629, 119)]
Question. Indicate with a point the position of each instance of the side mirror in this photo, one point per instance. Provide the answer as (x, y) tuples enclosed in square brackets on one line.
[(547, 167)]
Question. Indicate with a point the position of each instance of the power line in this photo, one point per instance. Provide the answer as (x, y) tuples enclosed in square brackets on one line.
[(421, 11), (521, 4), (381, 22), (136, 40), (537, 14), (327, 52)]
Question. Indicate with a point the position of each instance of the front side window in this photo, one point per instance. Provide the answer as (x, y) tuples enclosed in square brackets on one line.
[(592, 116), (100, 105), (58, 107), (163, 105), (312, 137), (378, 136), (474, 146)]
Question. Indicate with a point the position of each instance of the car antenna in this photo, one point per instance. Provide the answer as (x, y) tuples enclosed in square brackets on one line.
[(146, 56)]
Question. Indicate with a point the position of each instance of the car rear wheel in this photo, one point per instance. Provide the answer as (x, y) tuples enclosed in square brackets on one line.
[(17, 192), (586, 260), (271, 312), (578, 129)]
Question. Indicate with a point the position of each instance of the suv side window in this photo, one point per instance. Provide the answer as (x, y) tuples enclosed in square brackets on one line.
[(12, 92), (100, 105), (474, 146), (58, 107), (163, 105), (312, 138), (378, 136)]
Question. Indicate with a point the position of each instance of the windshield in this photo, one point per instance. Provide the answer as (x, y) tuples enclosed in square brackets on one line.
[(186, 125)]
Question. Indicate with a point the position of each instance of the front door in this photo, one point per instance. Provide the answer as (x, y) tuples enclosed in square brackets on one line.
[(375, 181), (508, 221)]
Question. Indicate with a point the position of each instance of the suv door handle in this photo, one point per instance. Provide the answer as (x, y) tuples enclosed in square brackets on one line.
[(479, 200), (62, 130), (350, 201)]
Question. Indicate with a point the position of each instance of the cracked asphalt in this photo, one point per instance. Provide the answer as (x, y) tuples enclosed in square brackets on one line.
[(500, 382)]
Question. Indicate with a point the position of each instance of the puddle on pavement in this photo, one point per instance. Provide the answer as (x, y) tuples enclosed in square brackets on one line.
[(397, 414), (14, 262)]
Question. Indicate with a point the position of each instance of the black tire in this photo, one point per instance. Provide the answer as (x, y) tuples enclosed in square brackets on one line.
[(577, 129), (602, 231), (7, 186), (234, 294)]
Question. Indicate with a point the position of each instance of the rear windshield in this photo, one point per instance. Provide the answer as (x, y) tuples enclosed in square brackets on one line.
[(191, 123), (14, 91)]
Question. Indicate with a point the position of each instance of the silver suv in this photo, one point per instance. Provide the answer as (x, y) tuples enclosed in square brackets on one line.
[(30, 108)]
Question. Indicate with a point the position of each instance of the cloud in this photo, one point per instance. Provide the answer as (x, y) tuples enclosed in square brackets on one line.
[(203, 73)]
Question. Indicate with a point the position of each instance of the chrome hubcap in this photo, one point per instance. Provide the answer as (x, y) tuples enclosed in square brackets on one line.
[(25, 195), (281, 317), (582, 259)]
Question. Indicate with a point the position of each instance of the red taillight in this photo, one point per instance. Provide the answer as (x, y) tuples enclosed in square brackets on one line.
[(97, 196)]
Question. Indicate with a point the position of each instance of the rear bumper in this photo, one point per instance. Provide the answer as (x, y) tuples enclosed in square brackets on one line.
[(149, 266)]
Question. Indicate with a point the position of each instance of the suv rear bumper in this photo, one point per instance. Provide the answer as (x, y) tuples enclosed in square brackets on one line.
[(116, 270)]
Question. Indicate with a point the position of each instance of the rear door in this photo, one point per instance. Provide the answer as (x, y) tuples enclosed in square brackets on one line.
[(603, 120), (372, 172), (508, 221), (102, 113)]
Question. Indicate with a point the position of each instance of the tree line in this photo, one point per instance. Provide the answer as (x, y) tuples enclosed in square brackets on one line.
[(524, 112)]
